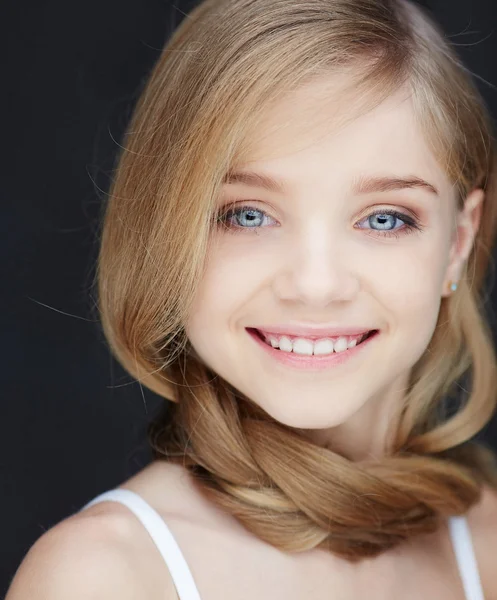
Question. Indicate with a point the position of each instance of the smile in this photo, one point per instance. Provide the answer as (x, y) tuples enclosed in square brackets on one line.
[(299, 353)]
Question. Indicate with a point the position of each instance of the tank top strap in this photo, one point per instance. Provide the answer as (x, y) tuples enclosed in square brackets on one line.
[(466, 560), (160, 534), (183, 579)]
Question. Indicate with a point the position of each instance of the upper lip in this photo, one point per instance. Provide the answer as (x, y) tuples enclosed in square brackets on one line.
[(313, 331)]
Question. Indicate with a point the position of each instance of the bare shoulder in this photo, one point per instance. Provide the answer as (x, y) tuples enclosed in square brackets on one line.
[(482, 521), (482, 517), (101, 552)]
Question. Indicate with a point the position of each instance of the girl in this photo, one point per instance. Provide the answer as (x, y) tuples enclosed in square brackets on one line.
[(293, 255)]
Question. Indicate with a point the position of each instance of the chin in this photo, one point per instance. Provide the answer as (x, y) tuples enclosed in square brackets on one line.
[(300, 414)]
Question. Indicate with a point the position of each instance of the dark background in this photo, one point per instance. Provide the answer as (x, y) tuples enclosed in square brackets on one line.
[(72, 422)]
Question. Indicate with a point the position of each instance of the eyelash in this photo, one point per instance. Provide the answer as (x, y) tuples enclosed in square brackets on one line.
[(410, 224)]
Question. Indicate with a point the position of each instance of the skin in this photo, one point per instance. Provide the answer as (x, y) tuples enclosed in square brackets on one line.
[(314, 266), (316, 257)]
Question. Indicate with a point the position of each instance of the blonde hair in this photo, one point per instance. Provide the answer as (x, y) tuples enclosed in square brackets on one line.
[(226, 63)]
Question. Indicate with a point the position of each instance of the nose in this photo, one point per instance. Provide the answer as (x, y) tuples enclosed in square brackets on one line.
[(317, 269)]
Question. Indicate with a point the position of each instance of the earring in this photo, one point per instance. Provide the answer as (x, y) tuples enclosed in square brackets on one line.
[(453, 287)]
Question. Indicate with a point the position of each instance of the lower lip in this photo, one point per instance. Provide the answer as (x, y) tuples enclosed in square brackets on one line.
[(313, 363)]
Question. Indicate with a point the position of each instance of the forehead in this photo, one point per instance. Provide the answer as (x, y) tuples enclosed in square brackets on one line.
[(321, 129)]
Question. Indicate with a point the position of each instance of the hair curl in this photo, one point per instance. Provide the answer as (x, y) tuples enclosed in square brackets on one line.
[(221, 69)]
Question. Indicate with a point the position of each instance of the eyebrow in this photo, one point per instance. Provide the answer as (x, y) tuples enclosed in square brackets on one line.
[(363, 184)]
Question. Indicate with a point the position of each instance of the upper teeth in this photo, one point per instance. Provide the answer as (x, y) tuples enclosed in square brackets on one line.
[(310, 347)]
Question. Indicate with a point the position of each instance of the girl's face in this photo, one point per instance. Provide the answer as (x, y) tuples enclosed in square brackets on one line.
[(342, 244)]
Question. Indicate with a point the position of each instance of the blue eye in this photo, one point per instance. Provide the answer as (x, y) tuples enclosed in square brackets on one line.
[(247, 217), (387, 219), (250, 218)]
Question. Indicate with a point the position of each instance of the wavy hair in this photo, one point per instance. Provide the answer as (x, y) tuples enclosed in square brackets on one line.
[(226, 63)]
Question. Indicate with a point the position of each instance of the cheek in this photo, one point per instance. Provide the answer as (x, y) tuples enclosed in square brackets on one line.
[(233, 274), (412, 295), (405, 283), (411, 274), (225, 286)]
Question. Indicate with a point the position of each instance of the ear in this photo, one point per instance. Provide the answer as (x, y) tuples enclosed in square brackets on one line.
[(466, 227)]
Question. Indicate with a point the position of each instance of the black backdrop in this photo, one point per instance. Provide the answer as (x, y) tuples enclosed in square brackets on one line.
[(72, 422)]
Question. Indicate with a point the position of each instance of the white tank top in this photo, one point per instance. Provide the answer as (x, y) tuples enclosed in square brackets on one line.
[(183, 578)]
